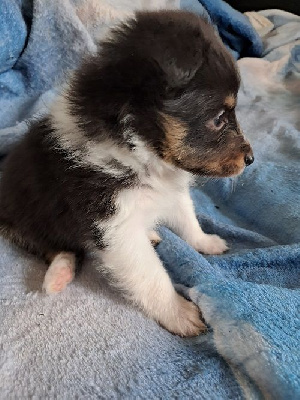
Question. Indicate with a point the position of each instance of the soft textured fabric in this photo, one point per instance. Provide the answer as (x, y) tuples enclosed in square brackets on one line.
[(234, 27), (250, 296), (87, 342)]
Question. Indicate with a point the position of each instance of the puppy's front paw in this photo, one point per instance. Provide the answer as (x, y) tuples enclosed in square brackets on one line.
[(154, 238), (184, 319), (211, 244)]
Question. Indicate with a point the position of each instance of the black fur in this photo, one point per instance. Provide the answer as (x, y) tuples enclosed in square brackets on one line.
[(50, 200)]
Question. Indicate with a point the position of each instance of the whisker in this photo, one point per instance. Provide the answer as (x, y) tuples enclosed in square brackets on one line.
[(233, 184)]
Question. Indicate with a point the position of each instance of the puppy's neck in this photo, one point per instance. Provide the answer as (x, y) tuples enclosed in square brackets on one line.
[(107, 155)]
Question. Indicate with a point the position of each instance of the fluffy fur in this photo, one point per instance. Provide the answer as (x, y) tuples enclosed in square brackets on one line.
[(116, 155)]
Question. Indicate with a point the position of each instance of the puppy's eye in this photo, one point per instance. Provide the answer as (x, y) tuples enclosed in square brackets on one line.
[(220, 120)]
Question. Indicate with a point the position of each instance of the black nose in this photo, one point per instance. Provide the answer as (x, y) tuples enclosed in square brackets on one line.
[(248, 159)]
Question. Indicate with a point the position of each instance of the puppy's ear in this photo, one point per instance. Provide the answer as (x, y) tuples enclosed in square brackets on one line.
[(177, 41), (180, 66)]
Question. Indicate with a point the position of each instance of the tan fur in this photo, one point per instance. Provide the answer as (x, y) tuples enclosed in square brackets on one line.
[(230, 101), (240, 162), (234, 165), (175, 148), (175, 132)]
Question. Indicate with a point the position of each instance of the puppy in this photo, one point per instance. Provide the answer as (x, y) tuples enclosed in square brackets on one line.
[(116, 156)]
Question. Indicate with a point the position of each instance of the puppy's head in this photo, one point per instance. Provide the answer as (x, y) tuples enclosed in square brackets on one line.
[(165, 79)]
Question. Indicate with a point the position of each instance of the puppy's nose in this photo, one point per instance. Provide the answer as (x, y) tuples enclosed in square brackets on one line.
[(248, 159)]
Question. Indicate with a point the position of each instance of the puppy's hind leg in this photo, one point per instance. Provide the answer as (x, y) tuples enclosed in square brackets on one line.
[(60, 272)]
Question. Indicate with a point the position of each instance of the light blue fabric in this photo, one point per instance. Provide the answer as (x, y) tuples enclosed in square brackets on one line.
[(249, 296), (13, 33), (35, 59), (234, 28)]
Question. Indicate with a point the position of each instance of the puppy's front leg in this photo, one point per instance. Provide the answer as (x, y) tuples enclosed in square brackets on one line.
[(137, 270), (182, 220)]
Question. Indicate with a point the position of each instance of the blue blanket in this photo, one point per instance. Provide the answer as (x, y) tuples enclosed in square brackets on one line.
[(233, 27), (85, 343), (250, 296)]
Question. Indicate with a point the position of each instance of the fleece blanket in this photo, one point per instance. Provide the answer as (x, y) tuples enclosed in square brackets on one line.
[(88, 342)]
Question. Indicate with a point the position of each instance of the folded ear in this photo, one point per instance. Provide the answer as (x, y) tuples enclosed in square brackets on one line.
[(179, 65), (177, 41)]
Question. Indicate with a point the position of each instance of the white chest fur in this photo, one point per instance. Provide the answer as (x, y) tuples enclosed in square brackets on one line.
[(152, 201)]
